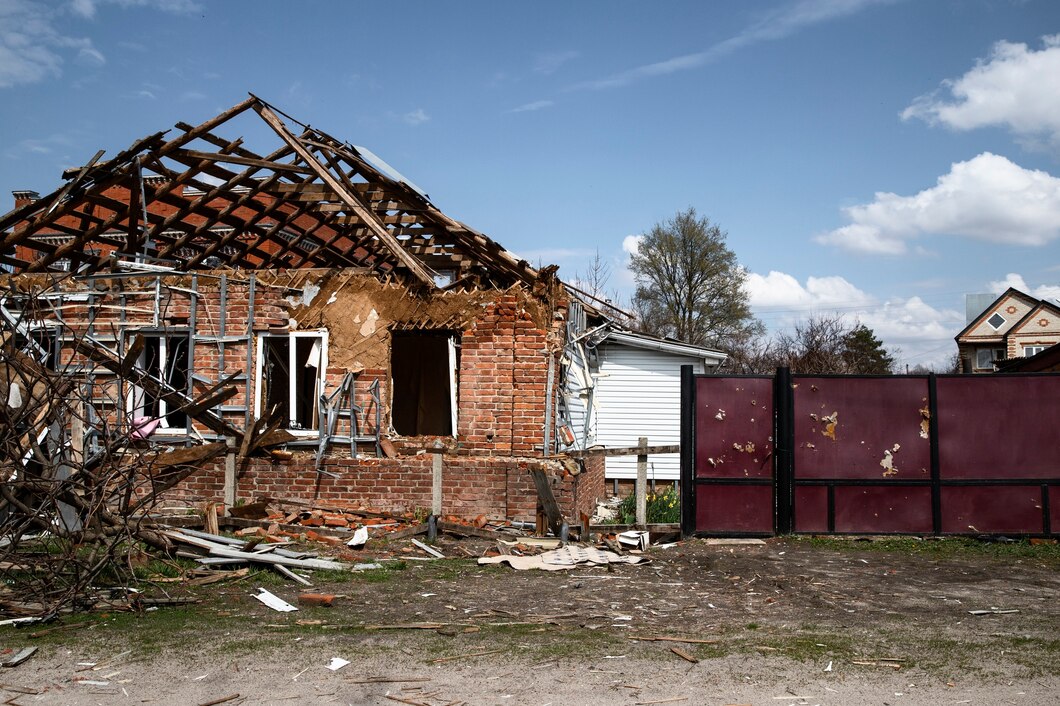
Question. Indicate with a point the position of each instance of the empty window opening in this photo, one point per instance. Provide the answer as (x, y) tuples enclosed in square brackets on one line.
[(165, 358), (290, 377), (423, 382)]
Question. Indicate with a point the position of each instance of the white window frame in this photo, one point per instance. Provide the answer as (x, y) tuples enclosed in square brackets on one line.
[(135, 400), (1033, 349), (259, 369)]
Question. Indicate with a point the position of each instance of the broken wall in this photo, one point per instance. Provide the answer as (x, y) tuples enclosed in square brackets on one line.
[(508, 340), (471, 485)]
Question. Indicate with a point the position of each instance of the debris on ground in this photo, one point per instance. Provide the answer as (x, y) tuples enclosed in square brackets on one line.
[(567, 557)]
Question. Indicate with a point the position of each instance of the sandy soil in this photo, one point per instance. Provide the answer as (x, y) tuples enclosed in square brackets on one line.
[(789, 623)]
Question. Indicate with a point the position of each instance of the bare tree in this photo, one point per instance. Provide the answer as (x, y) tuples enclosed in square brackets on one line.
[(819, 345), (77, 482), (596, 278), (689, 284)]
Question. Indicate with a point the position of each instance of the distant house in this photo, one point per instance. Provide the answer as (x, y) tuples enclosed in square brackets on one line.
[(1048, 361), (1014, 325)]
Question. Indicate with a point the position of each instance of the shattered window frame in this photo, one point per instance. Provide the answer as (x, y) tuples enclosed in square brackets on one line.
[(138, 400), (293, 425)]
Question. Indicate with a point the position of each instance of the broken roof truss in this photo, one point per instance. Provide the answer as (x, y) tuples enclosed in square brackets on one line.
[(199, 201)]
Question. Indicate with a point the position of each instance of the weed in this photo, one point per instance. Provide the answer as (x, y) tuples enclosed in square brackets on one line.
[(663, 507)]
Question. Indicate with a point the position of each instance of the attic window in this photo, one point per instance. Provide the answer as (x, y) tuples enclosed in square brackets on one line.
[(997, 321), (423, 368)]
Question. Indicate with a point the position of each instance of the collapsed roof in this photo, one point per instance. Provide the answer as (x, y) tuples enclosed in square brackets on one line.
[(200, 201)]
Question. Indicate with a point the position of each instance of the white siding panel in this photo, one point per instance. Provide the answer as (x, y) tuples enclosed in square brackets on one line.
[(638, 393)]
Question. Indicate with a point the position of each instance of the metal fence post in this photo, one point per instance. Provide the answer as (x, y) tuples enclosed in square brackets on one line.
[(784, 458), (688, 470)]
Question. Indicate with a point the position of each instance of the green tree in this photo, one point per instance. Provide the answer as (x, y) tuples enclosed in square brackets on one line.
[(864, 353), (690, 286)]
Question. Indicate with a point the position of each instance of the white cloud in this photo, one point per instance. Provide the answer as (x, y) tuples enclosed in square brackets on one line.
[(1016, 87), (31, 48), (631, 244), (1016, 281), (90, 56), (536, 105), (922, 333), (987, 198), (781, 290), (774, 25), (87, 8), (910, 323), (550, 62), (416, 117)]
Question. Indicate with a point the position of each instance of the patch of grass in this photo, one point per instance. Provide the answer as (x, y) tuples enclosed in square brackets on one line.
[(448, 569), (387, 572), (1040, 657), (943, 547)]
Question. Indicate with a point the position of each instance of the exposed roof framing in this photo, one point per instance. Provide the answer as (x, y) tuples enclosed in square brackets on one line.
[(200, 200)]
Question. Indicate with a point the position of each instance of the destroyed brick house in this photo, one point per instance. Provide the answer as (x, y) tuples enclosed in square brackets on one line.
[(309, 307)]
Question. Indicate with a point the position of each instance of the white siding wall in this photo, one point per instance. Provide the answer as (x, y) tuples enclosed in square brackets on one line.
[(638, 393)]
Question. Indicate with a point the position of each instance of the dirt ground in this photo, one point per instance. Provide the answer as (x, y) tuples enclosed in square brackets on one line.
[(791, 621)]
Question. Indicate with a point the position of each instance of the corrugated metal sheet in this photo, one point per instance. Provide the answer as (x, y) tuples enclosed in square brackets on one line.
[(638, 394), (578, 397)]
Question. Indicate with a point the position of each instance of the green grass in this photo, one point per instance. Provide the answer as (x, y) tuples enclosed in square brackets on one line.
[(941, 547)]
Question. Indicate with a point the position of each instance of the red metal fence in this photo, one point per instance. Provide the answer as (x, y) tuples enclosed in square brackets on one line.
[(912, 454)]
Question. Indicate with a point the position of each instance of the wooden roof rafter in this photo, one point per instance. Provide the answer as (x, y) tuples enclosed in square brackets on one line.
[(184, 198)]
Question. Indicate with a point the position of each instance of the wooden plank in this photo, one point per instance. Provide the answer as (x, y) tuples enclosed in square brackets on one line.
[(302, 188), (406, 259), (430, 550), (641, 486), (186, 456), (548, 501), (465, 531), (246, 161), (226, 552), (625, 451)]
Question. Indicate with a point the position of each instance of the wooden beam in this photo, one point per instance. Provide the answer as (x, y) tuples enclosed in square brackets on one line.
[(625, 451), (379, 229), (548, 502), (246, 161)]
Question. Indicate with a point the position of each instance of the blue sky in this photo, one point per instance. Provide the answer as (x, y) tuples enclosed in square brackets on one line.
[(876, 157)]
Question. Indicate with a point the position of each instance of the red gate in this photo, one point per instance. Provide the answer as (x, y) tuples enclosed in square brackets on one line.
[(870, 454)]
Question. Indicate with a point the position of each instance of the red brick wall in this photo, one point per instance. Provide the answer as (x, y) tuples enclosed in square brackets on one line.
[(503, 372), (471, 485)]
